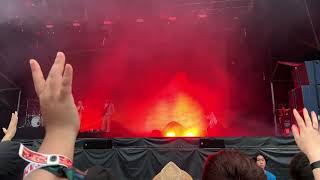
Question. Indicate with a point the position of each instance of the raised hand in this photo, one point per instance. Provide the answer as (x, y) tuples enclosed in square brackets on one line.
[(307, 135), (59, 112), (12, 128), (57, 105)]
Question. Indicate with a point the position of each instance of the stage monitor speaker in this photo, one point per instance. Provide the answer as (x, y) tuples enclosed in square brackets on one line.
[(91, 134), (97, 144), (307, 73), (212, 143)]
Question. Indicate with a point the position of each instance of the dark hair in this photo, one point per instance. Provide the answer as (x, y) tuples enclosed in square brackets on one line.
[(259, 154), (231, 165), (99, 173), (300, 168)]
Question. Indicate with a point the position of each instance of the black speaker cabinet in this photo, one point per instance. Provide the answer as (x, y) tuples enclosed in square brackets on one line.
[(97, 144), (212, 143)]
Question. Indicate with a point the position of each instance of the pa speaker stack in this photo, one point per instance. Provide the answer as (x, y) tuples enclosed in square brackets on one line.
[(306, 92)]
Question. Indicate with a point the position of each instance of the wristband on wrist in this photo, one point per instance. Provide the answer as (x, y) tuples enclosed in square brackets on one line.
[(315, 165), (44, 159), (41, 161)]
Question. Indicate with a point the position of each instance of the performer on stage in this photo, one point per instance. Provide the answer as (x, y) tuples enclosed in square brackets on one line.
[(213, 123), (80, 108), (212, 120), (284, 120), (107, 115)]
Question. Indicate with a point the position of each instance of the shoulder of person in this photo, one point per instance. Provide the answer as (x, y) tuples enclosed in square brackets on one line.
[(270, 175)]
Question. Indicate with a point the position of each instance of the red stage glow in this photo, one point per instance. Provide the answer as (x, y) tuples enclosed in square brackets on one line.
[(155, 74), (183, 111), (177, 111)]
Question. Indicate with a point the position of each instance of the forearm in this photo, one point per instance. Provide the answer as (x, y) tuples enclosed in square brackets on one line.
[(5, 138), (314, 157), (55, 142), (59, 142), (316, 174), (41, 174)]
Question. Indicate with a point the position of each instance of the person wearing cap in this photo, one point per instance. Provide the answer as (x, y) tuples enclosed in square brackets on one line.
[(172, 171)]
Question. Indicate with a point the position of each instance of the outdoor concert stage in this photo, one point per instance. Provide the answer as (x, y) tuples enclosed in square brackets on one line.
[(143, 158)]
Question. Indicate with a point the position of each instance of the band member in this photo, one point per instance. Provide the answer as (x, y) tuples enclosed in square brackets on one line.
[(284, 120), (108, 110), (212, 120), (80, 108), (213, 123)]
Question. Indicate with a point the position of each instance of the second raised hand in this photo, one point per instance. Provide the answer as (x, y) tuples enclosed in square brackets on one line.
[(307, 135)]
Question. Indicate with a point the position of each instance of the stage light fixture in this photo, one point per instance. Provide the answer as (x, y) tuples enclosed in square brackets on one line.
[(202, 15), (140, 20), (212, 143), (107, 22), (49, 26), (76, 23), (172, 18)]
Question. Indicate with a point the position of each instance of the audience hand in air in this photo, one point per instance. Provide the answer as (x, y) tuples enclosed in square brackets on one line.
[(307, 135), (12, 128), (57, 105)]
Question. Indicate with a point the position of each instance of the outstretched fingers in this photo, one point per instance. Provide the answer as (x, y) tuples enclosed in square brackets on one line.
[(299, 119), (14, 121), (56, 71), (4, 130), (14, 115), (295, 132), (66, 88), (58, 65), (37, 76), (314, 119), (307, 118)]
